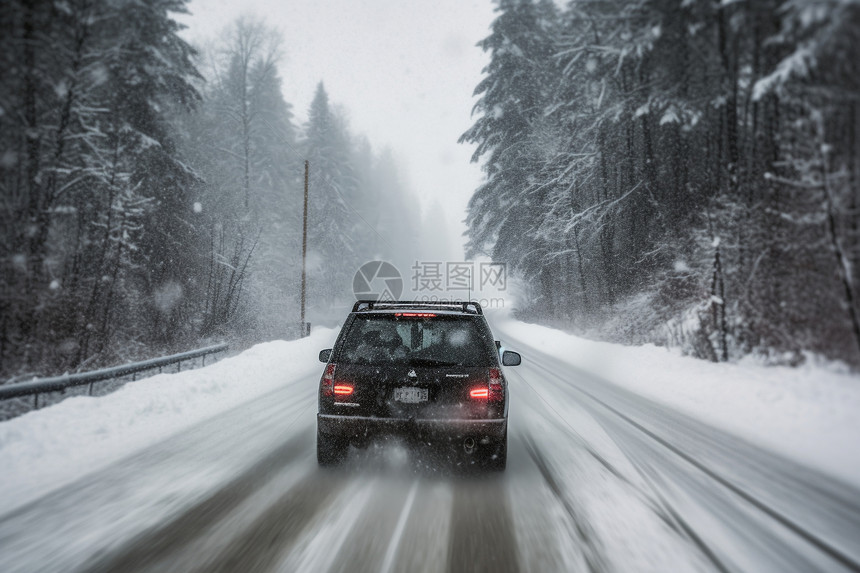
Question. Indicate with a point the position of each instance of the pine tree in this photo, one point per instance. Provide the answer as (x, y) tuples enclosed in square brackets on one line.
[(88, 95), (334, 234), (511, 101), (689, 174)]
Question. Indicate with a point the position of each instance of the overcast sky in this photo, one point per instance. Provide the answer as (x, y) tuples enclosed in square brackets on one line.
[(404, 70)]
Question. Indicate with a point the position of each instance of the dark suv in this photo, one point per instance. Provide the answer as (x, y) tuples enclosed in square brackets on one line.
[(427, 372)]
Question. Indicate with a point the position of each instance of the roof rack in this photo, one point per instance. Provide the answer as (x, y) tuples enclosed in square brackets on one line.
[(470, 307)]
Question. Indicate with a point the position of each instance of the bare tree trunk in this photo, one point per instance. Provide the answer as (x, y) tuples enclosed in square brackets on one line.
[(246, 142), (87, 330), (842, 264), (34, 215), (718, 304), (108, 303), (582, 282)]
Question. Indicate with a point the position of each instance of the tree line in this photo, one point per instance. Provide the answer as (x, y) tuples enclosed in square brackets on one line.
[(682, 172), (152, 191)]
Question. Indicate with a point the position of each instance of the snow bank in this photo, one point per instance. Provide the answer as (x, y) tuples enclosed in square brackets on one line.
[(45, 449), (810, 413)]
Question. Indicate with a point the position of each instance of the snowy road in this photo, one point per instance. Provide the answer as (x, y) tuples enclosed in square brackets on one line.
[(598, 479)]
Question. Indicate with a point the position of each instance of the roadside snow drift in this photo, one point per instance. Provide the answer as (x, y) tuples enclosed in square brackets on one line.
[(45, 449), (810, 413)]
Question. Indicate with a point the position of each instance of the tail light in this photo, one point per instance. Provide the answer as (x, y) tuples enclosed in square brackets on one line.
[(337, 388), (479, 393), (494, 391), (497, 391), (327, 381)]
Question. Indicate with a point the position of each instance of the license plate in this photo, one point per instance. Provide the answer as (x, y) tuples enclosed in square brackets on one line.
[(410, 395)]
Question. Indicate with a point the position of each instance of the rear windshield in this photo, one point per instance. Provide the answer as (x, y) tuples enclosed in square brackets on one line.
[(438, 341)]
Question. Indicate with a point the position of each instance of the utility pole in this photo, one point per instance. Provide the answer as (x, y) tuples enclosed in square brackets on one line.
[(305, 330)]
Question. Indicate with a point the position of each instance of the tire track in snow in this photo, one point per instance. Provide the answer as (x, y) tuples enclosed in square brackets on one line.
[(591, 549), (482, 532), (149, 547), (398, 531), (320, 544), (820, 544), (652, 498), (261, 545)]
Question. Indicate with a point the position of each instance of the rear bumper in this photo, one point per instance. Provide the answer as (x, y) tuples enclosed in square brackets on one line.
[(362, 427)]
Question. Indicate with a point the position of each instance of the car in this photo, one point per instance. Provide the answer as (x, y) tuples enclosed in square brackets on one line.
[(428, 372)]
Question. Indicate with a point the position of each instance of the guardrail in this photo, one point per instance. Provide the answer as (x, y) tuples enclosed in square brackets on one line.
[(61, 383)]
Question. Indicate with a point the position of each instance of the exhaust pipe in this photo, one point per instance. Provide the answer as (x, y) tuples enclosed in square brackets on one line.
[(469, 445)]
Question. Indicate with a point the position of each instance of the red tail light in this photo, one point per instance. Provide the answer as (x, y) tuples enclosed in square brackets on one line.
[(497, 391), (327, 381), (494, 391), (343, 389), (479, 393), (416, 314)]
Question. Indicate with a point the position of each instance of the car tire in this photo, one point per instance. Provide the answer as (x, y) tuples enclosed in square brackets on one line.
[(497, 458), (331, 450)]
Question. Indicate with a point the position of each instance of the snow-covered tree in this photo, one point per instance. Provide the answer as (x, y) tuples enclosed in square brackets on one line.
[(335, 233), (688, 163), (88, 160)]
